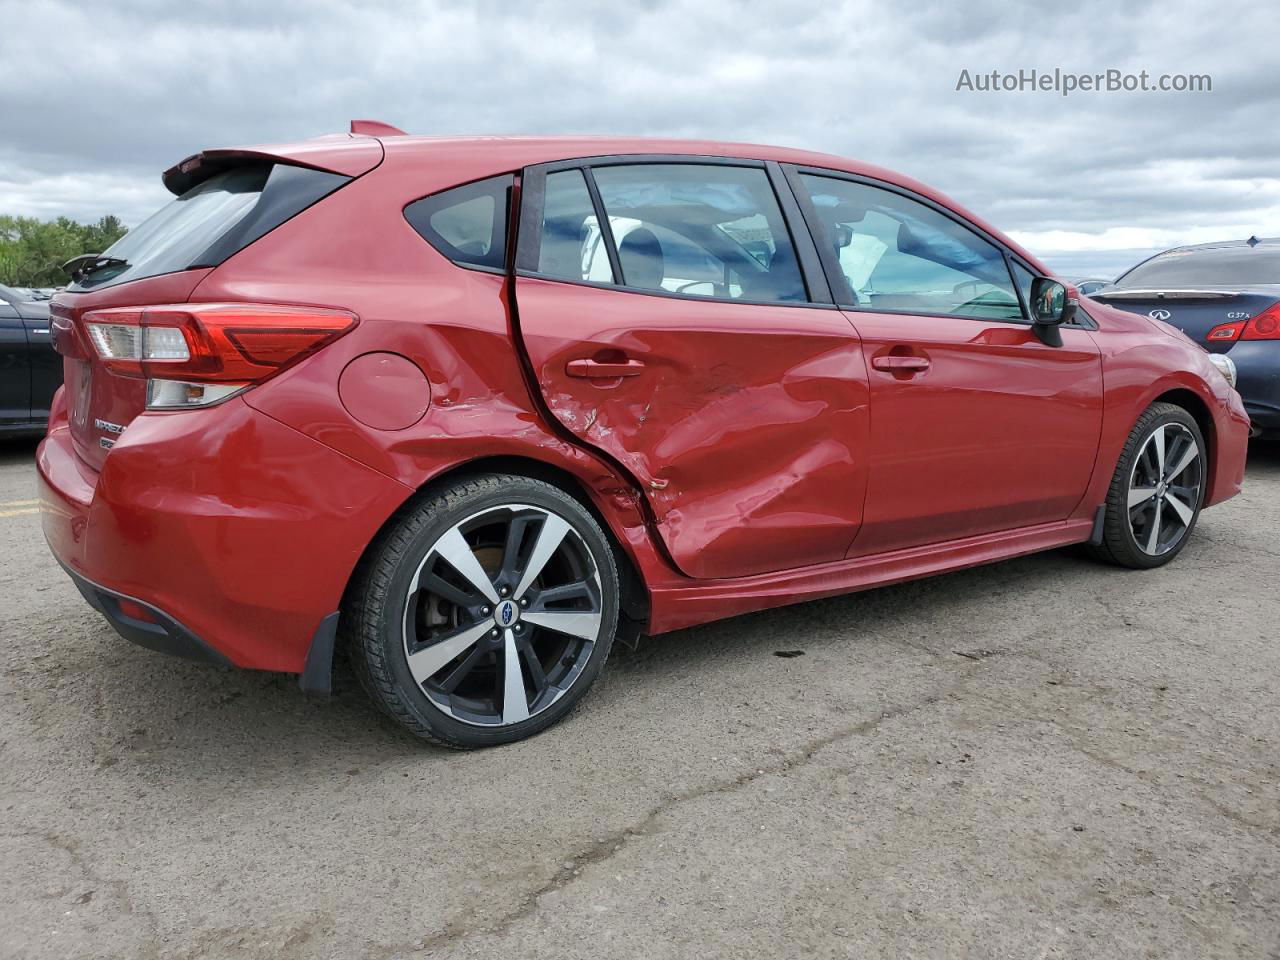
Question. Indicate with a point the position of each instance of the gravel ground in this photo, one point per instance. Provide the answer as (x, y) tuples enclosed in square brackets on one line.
[(1042, 758)]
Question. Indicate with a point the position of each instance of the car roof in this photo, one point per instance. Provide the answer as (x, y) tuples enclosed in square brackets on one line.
[(1253, 242), (476, 157)]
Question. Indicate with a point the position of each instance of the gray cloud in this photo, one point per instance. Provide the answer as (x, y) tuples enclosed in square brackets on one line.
[(98, 98)]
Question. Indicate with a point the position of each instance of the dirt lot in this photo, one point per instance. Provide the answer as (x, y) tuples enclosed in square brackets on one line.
[(1044, 758)]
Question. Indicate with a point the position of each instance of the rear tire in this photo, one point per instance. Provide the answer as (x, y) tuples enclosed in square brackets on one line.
[(1156, 492), (484, 612)]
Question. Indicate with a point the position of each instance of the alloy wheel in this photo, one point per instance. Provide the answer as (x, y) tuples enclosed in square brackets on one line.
[(502, 615), (1164, 488)]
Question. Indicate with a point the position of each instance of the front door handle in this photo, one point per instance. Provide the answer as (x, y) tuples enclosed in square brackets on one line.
[(604, 369), (896, 362)]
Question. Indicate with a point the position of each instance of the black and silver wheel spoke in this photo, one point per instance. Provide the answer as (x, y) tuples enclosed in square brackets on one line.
[(427, 661), (1184, 510), (450, 681), (502, 615), (1164, 488), (455, 550), (515, 705), (549, 538), (569, 622), (569, 591)]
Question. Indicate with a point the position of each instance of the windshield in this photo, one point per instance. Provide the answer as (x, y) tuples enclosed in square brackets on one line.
[(1212, 267)]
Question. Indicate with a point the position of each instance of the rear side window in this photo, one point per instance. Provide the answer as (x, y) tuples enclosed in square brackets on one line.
[(467, 224), (213, 220)]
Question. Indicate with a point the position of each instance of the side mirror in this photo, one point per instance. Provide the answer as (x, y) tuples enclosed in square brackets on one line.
[(1051, 306)]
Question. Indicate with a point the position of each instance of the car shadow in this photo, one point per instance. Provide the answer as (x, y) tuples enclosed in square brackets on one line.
[(17, 450), (174, 722), (1264, 456)]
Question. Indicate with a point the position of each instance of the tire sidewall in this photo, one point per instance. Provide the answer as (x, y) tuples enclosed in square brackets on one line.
[(512, 490)]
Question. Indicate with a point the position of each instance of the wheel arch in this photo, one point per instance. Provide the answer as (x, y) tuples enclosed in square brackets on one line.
[(1195, 405), (635, 590)]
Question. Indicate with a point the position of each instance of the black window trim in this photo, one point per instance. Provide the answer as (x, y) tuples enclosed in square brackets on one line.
[(840, 284), (529, 227), (513, 177), (606, 228)]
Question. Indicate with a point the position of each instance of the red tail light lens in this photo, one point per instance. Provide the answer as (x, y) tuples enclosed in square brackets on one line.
[(1265, 326), (240, 343), (1225, 332)]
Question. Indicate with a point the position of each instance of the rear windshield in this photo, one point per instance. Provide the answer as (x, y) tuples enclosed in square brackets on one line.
[(211, 221), (1216, 266)]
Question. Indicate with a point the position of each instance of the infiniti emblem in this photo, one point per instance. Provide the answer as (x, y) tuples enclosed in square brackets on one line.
[(1159, 314), (505, 613)]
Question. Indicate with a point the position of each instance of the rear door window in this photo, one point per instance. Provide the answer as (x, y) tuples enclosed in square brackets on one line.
[(213, 220), (571, 246), (706, 230), (467, 224)]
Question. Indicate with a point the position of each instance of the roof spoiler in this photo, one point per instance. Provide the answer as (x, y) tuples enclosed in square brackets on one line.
[(376, 128), (341, 153)]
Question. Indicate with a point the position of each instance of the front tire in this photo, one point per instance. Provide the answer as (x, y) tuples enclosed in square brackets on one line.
[(484, 612), (1157, 490)]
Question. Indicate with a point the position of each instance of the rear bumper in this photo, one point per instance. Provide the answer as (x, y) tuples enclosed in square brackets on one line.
[(236, 533), (158, 632)]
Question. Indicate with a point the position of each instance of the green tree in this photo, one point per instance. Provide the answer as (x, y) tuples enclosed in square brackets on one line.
[(32, 251)]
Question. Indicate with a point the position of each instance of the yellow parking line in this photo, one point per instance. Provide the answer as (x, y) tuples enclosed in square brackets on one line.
[(14, 513), (18, 503)]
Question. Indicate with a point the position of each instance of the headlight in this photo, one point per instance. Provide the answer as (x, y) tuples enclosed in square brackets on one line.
[(1226, 366)]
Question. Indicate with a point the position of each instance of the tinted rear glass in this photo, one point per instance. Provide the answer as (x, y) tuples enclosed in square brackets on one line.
[(213, 220), (467, 224), (1218, 266)]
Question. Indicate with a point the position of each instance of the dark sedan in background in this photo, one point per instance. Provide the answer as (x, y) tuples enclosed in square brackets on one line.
[(30, 371), (1226, 297)]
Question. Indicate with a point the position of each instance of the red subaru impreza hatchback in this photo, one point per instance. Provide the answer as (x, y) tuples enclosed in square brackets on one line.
[(473, 408)]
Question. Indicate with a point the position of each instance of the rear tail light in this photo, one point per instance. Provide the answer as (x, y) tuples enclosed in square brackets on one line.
[(1265, 326), (1226, 332), (196, 354)]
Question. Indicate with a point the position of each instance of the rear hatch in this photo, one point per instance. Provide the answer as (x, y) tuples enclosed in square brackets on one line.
[(225, 200), (1213, 317)]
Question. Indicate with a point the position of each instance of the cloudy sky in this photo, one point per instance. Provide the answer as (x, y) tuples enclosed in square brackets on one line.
[(96, 98)]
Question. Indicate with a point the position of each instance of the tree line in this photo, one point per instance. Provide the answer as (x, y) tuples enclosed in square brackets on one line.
[(32, 251)]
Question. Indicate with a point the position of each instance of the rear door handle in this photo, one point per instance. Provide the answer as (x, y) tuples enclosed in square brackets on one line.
[(895, 362), (604, 370)]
